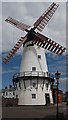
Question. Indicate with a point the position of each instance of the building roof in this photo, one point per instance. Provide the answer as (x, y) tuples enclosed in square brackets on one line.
[(8, 89)]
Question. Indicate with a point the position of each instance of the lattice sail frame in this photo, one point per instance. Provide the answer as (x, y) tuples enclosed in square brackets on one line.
[(14, 49), (46, 43), (45, 17), (39, 39), (17, 24)]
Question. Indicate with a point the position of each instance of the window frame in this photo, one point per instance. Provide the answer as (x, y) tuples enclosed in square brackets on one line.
[(33, 68), (10, 93), (39, 56), (34, 85), (33, 96), (47, 86)]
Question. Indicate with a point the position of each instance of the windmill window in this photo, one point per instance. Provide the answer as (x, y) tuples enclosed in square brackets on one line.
[(39, 56), (34, 85), (9, 93), (24, 85), (47, 86), (19, 84), (33, 68), (33, 96)]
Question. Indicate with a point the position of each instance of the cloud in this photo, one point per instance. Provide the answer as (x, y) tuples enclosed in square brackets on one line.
[(65, 80), (34, 0), (57, 25), (55, 63), (25, 12), (0, 27)]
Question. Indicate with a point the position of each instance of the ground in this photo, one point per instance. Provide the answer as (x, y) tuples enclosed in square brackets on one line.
[(34, 112)]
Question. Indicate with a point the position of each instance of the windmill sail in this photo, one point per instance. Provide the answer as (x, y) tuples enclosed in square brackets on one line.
[(36, 38), (17, 24), (45, 17), (47, 43), (14, 49)]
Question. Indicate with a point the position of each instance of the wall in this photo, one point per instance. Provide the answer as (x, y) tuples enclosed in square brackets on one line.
[(9, 102), (30, 59), (25, 95)]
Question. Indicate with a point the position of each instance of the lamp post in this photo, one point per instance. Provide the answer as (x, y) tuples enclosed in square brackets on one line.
[(57, 76)]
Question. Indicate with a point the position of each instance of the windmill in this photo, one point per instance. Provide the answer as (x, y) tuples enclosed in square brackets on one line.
[(33, 82)]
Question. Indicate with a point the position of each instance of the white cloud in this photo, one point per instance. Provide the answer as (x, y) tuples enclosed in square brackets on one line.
[(26, 12), (0, 27), (34, 0), (64, 80)]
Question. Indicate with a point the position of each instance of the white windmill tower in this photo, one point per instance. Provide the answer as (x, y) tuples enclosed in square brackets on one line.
[(33, 82)]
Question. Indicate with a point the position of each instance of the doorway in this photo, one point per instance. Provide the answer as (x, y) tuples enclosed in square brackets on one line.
[(47, 98)]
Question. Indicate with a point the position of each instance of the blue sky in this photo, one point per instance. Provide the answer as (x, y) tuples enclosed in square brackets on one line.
[(56, 29)]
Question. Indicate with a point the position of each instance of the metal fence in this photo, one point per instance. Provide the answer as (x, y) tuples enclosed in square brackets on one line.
[(33, 73)]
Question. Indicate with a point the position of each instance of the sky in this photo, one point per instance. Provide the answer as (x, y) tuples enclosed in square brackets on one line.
[(26, 13)]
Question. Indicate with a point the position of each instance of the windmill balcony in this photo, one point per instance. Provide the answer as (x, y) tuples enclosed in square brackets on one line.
[(31, 74)]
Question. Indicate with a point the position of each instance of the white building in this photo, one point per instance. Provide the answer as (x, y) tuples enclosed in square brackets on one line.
[(33, 83), (8, 92)]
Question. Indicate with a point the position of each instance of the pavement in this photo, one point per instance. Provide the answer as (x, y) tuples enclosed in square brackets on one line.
[(34, 112)]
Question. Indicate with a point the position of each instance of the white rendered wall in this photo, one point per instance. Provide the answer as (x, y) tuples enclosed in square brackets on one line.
[(9, 94), (25, 95), (30, 59)]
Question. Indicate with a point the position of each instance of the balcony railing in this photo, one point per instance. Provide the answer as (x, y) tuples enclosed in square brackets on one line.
[(33, 73)]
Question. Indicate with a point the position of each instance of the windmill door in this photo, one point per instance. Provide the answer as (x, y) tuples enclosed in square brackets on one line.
[(47, 98)]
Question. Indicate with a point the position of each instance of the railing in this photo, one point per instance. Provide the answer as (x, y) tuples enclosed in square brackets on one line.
[(33, 73)]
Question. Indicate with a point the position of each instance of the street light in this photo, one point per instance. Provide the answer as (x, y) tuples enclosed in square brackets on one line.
[(57, 76)]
